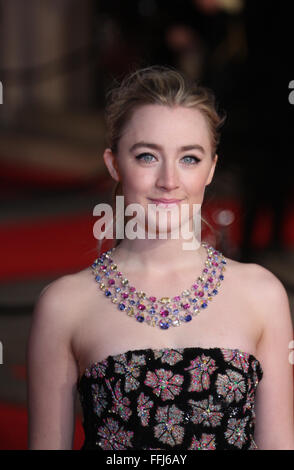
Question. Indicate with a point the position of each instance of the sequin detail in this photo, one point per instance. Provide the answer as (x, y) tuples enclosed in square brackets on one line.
[(187, 398)]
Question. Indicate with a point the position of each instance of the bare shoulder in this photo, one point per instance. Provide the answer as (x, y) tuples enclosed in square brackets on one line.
[(62, 298), (264, 289)]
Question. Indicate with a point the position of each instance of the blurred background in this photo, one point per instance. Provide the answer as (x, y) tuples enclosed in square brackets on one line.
[(57, 59)]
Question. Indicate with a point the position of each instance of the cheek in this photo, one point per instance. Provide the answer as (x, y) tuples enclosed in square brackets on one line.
[(195, 185)]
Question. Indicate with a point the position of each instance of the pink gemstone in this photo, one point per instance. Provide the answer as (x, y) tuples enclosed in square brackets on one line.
[(132, 289), (119, 273), (210, 279), (155, 306), (195, 286), (177, 298), (103, 267), (200, 293), (111, 281), (125, 295), (186, 305), (205, 270), (164, 313), (152, 299), (141, 307), (214, 263)]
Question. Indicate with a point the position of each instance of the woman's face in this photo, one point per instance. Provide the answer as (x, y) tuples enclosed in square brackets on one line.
[(165, 153)]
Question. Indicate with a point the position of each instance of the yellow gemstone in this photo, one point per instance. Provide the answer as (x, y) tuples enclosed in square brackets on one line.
[(131, 312), (102, 285), (113, 267), (114, 300), (218, 283), (124, 282), (141, 295), (165, 300), (209, 298)]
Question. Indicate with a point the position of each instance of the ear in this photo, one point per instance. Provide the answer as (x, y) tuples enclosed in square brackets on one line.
[(111, 163), (211, 172)]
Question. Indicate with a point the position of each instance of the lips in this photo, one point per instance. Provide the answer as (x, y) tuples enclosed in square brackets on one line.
[(165, 201)]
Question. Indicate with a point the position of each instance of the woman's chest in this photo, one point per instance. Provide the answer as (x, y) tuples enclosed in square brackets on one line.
[(228, 321)]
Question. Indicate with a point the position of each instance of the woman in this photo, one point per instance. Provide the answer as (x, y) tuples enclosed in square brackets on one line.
[(192, 351)]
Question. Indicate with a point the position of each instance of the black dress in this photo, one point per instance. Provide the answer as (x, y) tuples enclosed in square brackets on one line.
[(171, 399)]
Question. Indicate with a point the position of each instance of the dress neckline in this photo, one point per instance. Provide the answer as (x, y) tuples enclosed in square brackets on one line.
[(188, 348)]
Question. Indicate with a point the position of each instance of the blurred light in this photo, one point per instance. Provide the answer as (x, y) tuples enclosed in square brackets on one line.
[(231, 6), (224, 217)]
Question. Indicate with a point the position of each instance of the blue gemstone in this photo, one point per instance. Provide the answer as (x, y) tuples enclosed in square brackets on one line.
[(107, 293), (176, 311), (97, 278), (163, 325), (122, 306), (204, 305), (206, 286), (213, 272), (188, 318), (132, 302), (194, 300), (139, 318), (224, 261), (152, 310), (221, 277), (215, 291)]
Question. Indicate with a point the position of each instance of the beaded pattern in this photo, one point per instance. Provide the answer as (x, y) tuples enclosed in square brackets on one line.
[(166, 311), (169, 399)]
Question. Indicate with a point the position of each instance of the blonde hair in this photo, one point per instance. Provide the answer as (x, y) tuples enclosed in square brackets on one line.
[(157, 85)]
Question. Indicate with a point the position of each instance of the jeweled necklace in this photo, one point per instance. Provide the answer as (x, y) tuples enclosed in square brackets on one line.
[(164, 312)]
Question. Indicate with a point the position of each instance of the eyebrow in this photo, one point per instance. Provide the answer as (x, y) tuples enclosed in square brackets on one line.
[(159, 147)]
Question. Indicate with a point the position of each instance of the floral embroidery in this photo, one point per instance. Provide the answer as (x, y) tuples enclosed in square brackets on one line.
[(231, 385), (99, 399), (169, 430), (249, 404), (164, 383), (143, 408), (114, 437), (131, 369), (169, 356), (237, 358), (97, 369), (209, 399), (253, 445), (235, 433), (200, 369), (255, 366), (206, 442), (206, 412), (120, 404)]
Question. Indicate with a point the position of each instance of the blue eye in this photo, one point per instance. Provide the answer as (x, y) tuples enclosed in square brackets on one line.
[(143, 156), (196, 159)]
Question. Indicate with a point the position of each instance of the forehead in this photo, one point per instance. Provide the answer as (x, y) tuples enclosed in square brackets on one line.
[(168, 126)]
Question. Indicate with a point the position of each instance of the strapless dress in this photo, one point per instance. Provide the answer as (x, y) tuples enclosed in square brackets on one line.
[(188, 398)]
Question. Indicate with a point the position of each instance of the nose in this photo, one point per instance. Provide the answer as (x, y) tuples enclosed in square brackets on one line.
[(167, 178)]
